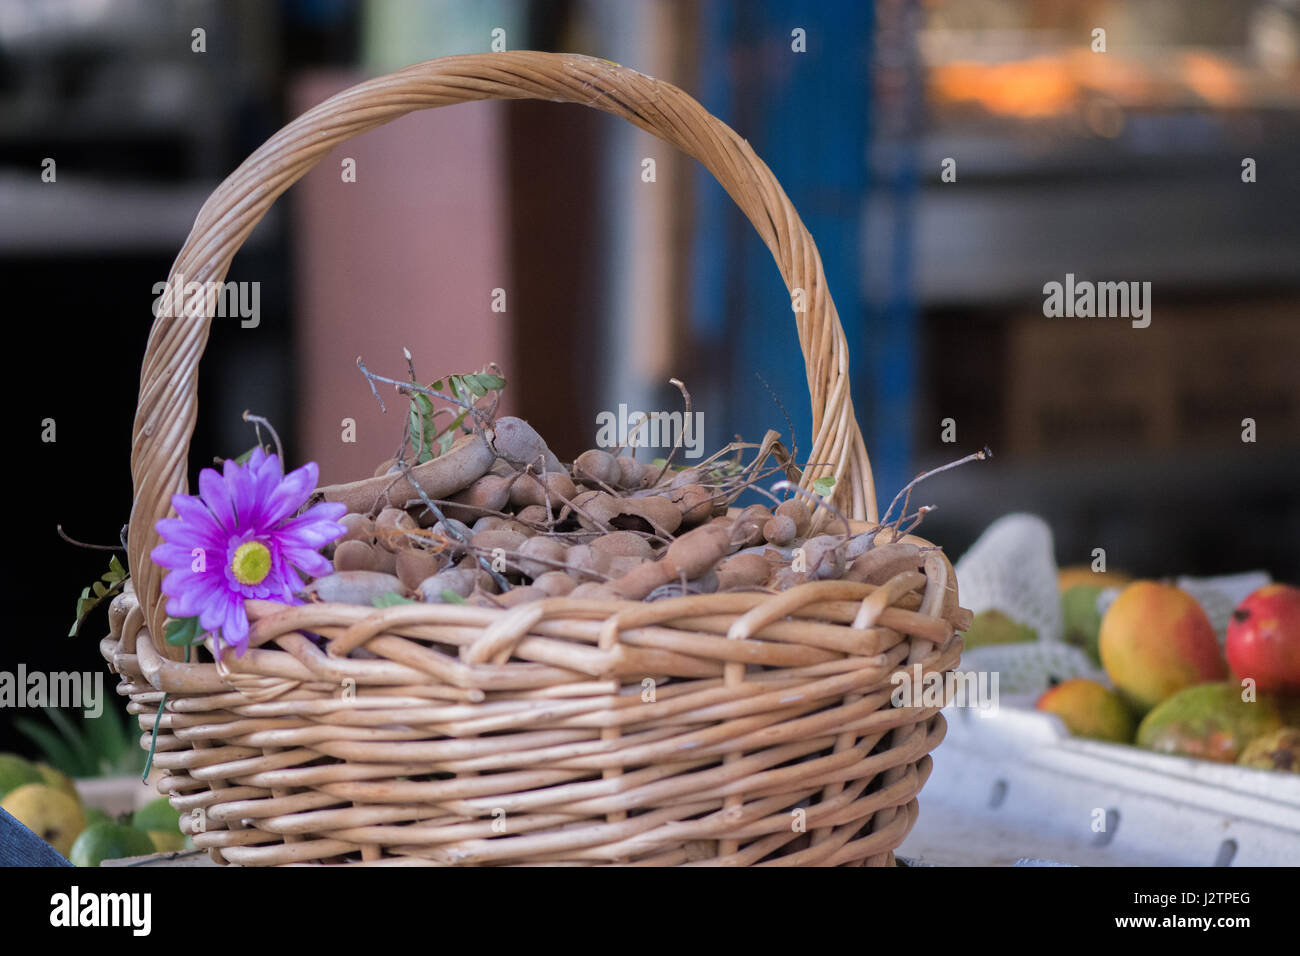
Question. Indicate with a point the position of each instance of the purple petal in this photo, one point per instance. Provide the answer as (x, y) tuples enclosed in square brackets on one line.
[(290, 494), (180, 556), (309, 560), (235, 629), (216, 493)]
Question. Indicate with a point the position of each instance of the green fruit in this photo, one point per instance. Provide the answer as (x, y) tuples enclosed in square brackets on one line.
[(1090, 709), (58, 780), (51, 814), (166, 841), (1279, 750), (1209, 721), (994, 627), (95, 815), (157, 815), (16, 772), (109, 841), (1082, 619)]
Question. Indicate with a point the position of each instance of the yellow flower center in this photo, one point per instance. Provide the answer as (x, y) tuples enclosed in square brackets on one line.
[(251, 563)]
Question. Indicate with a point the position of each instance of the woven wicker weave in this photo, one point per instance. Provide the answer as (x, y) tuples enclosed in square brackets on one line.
[(721, 729)]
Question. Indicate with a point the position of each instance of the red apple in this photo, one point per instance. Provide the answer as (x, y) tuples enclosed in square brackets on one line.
[(1264, 638)]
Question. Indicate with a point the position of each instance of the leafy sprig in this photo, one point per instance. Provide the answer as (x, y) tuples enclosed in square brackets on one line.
[(108, 586)]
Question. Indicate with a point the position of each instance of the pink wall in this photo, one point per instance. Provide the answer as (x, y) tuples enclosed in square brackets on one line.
[(405, 256)]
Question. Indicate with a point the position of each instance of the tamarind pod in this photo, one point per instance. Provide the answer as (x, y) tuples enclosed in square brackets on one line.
[(780, 530), (822, 553), (391, 527), (354, 587), (585, 561), (651, 514), (518, 442), (554, 487), (593, 591), (743, 570), (580, 506), (487, 493), (773, 555), (354, 556), (632, 474), (508, 541), (415, 565), (498, 523), (858, 545), (695, 552), (359, 528), (747, 529), (533, 515), (450, 536), (662, 516), (620, 564), (695, 502), (482, 580), (480, 598), (785, 578), (503, 468), (879, 564), (623, 544), (385, 560), (385, 467), (459, 581), (599, 467), (551, 552), (466, 460), (555, 583), (798, 511), (638, 582), (680, 479), (706, 583), (521, 595)]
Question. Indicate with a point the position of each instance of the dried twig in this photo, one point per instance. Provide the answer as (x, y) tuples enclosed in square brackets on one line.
[(981, 455), (82, 544), (258, 421), (686, 420)]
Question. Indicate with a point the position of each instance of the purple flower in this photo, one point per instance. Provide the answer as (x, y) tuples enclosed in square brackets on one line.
[(238, 539)]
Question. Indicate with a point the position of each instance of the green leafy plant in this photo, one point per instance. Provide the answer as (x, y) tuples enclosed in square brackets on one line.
[(100, 746), (824, 485), (109, 585), (429, 438)]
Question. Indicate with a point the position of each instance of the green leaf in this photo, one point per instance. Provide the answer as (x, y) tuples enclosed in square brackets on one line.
[(473, 384), (494, 382), (391, 599), (182, 631), (116, 573), (824, 485), (243, 459), (56, 753), (658, 462), (451, 597), (69, 732), (106, 587)]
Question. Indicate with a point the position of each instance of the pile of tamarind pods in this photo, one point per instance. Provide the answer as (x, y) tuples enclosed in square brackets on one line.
[(498, 520)]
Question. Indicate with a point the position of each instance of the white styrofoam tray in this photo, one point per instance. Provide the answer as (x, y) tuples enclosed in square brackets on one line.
[(1015, 784)]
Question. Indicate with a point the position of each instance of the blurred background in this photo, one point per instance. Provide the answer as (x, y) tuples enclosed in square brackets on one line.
[(1125, 165)]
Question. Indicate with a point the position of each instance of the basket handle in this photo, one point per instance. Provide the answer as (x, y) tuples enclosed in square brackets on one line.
[(164, 420)]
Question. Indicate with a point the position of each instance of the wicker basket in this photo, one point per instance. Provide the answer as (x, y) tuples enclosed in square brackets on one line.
[(721, 729)]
